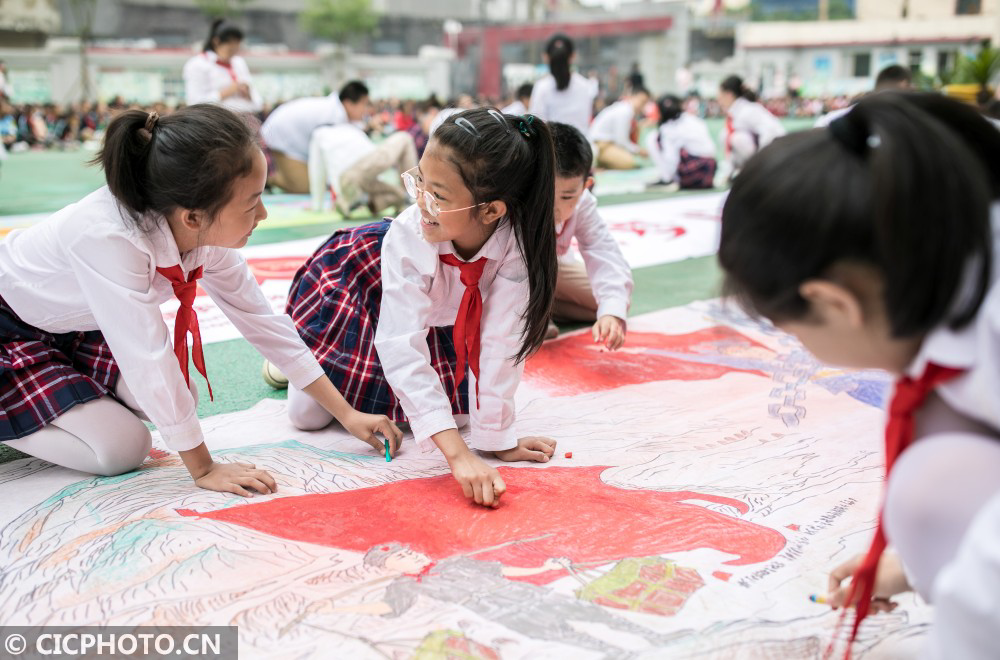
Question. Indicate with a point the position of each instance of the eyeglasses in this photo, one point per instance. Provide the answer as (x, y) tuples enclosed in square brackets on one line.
[(414, 190)]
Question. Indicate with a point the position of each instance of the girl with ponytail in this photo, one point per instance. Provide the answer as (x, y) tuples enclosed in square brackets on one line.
[(219, 74), (428, 318), (872, 241), (85, 354), (749, 125), (563, 95)]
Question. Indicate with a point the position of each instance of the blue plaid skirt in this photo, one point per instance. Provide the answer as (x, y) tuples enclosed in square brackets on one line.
[(695, 173), (43, 375), (334, 302)]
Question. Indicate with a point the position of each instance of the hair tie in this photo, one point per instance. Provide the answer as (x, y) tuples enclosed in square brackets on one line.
[(851, 133), (146, 132), (525, 125)]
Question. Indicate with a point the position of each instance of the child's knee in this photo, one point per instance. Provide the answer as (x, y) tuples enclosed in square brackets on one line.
[(305, 414), (131, 448)]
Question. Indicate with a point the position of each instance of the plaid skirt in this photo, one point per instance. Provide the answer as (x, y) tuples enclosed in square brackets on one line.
[(695, 173), (43, 375), (335, 300)]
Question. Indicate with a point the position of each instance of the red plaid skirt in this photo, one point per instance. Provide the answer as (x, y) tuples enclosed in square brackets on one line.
[(43, 375), (335, 300), (695, 173)]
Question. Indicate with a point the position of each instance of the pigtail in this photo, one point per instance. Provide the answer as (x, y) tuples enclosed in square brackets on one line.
[(211, 35), (560, 49), (536, 235), (124, 156)]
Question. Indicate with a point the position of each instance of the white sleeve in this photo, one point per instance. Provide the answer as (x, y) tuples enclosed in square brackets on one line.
[(623, 131), (198, 83), (317, 172), (114, 276), (766, 126), (666, 150), (500, 338), (966, 594), (228, 280), (537, 105), (243, 75), (409, 265), (609, 273)]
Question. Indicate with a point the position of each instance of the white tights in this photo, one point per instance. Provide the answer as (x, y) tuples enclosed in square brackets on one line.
[(936, 488), (103, 437)]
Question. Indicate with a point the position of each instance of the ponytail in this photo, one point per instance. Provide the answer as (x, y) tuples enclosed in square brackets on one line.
[(903, 183), (734, 85), (560, 49), (189, 159), (670, 108), (510, 158)]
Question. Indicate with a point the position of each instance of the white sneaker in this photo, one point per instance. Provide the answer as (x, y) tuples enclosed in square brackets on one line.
[(273, 377)]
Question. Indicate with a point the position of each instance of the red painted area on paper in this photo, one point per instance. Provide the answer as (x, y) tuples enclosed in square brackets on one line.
[(275, 268), (794, 528), (640, 228), (576, 365), (546, 513), (158, 453), (722, 575)]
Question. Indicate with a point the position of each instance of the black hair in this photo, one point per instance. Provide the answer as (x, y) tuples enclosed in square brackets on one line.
[(670, 108), (735, 86), (524, 91), (559, 49), (510, 158), (353, 91), (224, 31), (574, 155), (893, 75), (190, 159), (639, 89), (903, 183)]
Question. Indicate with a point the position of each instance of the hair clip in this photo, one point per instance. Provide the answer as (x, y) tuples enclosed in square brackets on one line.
[(525, 125), (467, 126), (496, 114)]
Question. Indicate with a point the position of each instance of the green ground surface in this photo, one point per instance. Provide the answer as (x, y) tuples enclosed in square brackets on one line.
[(39, 182)]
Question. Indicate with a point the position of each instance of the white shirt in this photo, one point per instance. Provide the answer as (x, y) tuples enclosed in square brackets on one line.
[(332, 151), (687, 132), (205, 78), (515, 108), (573, 105), (420, 292), (289, 127), (614, 124), (609, 273), (967, 594), (755, 119), (85, 268)]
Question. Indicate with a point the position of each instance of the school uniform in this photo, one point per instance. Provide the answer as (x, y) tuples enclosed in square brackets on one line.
[(573, 105), (205, 77), (377, 305), (749, 127), (602, 285), (612, 133), (81, 295), (683, 150), (287, 132)]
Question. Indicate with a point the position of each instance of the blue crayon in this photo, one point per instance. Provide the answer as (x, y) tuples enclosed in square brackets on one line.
[(387, 457)]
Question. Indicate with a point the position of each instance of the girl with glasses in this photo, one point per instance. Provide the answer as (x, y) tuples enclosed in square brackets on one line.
[(428, 318)]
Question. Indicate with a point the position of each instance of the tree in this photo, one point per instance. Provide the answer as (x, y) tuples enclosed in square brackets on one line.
[(221, 8), (339, 21)]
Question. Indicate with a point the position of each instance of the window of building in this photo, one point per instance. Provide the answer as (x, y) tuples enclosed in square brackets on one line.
[(968, 7), (916, 59), (862, 65), (946, 60)]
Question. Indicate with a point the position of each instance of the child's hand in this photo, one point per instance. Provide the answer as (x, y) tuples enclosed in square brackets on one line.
[(889, 581), (364, 427), (237, 478), (479, 481), (529, 448), (610, 330)]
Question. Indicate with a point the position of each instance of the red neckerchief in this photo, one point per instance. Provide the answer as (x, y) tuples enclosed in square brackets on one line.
[(470, 315), (187, 321)]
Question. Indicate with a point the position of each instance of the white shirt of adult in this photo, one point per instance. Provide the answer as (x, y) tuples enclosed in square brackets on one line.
[(87, 267), (614, 124), (573, 105), (205, 78), (290, 126), (687, 132), (332, 151), (515, 108), (610, 275), (755, 119), (420, 292)]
